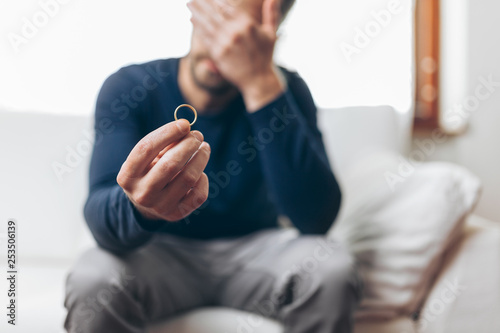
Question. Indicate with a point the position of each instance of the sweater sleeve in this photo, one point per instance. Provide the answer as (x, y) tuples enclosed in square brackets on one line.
[(113, 220), (294, 160)]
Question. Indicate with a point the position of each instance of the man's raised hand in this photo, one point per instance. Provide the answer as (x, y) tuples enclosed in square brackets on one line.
[(163, 175), (241, 45)]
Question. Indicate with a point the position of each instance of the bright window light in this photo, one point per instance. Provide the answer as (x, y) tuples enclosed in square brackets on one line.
[(56, 54), (352, 53)]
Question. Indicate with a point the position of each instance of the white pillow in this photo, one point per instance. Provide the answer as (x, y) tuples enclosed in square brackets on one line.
[(397, 219)]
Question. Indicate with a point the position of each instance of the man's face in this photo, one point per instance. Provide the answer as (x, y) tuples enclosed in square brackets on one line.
[(202, 69)]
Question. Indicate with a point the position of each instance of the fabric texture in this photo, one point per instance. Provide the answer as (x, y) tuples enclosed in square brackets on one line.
[(398, 219), (466, 296), (308, 283), (264, 164)]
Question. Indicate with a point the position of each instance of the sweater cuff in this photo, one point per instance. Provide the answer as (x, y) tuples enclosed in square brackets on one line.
[(276, 113), (142, 223)]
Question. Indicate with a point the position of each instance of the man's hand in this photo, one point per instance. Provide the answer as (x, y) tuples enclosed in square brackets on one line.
[(163, 175), (241, 47)]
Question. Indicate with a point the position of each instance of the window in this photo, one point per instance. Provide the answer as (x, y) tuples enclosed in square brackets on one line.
[(352, 53), (427, 50)]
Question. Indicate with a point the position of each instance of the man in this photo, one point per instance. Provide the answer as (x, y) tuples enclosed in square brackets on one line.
[(187, 217)]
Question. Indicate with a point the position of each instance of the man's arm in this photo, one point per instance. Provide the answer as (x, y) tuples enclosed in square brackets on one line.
[(112, 218), (294, 160), (283, 118), (140, 182)]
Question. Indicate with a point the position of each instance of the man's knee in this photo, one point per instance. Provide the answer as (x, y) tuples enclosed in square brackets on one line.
[(338, 275), (99, 273), (95, 283), (327, 265)]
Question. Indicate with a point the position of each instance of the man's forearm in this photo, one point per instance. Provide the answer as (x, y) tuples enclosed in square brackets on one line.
[(115, 224), (294, 165)]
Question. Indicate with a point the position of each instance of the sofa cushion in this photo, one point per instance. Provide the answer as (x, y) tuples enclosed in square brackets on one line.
[(398, 224)]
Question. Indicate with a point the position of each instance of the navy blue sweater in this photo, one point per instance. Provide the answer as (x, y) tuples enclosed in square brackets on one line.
[(262, 164)]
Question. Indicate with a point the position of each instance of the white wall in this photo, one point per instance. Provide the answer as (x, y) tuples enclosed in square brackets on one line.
[(61, 61), (477, 149)]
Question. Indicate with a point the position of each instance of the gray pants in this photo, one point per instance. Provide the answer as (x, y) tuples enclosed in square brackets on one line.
[(308, 283)]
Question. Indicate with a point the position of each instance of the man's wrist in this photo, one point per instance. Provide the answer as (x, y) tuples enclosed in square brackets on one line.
[(142, 213), (263, 89), (146, 215)]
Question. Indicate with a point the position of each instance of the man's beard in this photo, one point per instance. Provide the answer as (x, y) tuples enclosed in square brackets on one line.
[(221, 88)]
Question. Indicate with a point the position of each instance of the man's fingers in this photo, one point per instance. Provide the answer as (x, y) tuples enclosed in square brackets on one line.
[(151, 145), (161, 153), (202, 17), (177, 198), (190, 174), (225, 8), (195, 197), (172, 162)]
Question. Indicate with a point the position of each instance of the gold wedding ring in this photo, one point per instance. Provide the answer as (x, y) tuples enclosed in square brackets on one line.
[(187, 106)]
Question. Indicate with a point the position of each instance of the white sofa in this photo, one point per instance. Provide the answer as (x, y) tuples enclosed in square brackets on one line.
[(52, 232)]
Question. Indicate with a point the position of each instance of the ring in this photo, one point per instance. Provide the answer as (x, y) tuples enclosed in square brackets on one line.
[(187, 106)]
